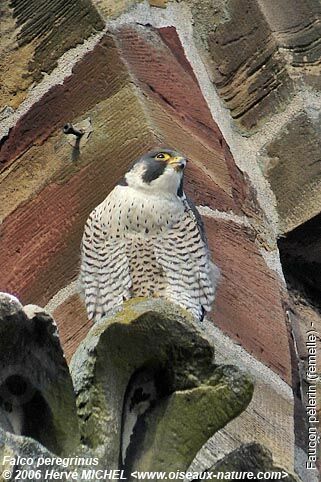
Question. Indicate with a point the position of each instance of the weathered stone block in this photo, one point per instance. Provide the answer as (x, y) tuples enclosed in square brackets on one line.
[(94, 79), (113, 8), (296, 27), (250, 458), (292, 165), (250, 296), (71, 316), (243, 59), (35, 37)]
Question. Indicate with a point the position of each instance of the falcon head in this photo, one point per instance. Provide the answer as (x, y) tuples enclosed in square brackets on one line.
[(160, 170)]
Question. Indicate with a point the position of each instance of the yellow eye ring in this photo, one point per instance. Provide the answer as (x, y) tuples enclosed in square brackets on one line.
[(162, 156)]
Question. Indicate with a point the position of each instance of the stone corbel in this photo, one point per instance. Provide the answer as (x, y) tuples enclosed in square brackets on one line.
[(148, 392)]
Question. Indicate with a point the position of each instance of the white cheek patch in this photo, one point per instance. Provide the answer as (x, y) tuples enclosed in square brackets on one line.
[(134, 177)]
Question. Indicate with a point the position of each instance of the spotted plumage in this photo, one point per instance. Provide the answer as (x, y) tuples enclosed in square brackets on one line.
[(147, 239)]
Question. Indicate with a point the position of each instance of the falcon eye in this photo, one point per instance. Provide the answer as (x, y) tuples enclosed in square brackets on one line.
[(162, 156)]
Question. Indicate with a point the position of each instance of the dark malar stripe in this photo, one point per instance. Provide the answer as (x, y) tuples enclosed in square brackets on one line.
[(180, 191), (154, 170)]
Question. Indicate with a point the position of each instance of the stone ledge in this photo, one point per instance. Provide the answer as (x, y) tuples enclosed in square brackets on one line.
[(164, 342)]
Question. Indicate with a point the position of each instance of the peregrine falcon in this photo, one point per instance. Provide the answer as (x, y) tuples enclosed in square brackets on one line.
[(147, 239)]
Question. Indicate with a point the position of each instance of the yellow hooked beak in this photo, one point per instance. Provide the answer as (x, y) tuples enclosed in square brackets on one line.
[(178, 163)]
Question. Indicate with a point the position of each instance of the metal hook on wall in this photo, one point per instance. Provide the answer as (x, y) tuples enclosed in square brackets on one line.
[(78, 135)]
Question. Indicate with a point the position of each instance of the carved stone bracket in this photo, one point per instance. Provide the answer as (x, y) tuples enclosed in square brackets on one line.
[(144, 391)]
